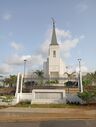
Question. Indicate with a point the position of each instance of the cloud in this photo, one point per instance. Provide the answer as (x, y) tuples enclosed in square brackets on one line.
[(16, 46), (19, 60), (37, 59), (44, 48), (7, 16), (66, 54), (63, 34), (67, 45), (84, 69), (65, 39), (13, 62), (5, 68), (16, 59)]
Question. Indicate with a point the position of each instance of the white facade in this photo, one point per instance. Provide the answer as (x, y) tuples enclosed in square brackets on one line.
[(47, 96), (54, 61), (43, 96), (54, 66)]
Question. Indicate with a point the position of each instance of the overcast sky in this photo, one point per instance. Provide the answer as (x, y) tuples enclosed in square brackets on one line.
[(25, 33)]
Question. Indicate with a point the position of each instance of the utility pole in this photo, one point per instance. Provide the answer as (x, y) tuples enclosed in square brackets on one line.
[(67, 69), (24, 67), (80, 77)]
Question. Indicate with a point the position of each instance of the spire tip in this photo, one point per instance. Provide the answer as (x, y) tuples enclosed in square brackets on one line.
[(53, 22)]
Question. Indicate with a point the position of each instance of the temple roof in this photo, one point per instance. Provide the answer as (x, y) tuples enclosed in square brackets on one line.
[(54, 39)]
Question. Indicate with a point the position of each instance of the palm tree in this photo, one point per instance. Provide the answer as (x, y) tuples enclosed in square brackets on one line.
[(93, 78), (89, 78), (11, 81), (40, 75), (70, 76)]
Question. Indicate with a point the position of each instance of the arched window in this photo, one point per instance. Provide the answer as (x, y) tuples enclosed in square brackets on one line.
[(54, 53)]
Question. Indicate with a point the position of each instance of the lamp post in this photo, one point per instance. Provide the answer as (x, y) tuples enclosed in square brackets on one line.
[(67, 67), (31, 77), (80, 77), (24, 67)]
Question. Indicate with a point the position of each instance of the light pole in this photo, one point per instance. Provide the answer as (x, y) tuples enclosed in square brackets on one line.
[(80, 77), (24, 67), (67, 67)]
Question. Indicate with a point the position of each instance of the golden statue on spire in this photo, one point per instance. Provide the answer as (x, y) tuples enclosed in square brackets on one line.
[(53, 22)]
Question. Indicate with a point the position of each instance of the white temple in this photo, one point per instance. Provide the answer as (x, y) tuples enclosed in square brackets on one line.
[(54, 66)]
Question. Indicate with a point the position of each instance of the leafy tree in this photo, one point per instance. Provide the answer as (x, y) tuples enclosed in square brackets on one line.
[(70, 76), (89, 78), (40, 75), (86, 82), (11, 81), (87, 96)]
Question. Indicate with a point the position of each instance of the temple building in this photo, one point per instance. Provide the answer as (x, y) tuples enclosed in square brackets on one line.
[(54, 66)]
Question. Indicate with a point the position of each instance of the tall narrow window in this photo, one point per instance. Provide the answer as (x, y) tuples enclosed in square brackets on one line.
[(54, 53)]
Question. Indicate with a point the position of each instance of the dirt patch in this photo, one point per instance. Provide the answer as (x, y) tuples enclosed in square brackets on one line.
[(47, 114)]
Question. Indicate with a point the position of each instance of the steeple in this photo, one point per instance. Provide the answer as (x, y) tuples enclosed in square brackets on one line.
[(54, 39)]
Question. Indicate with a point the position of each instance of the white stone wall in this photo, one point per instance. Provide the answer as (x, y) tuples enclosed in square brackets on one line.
[(23, 97), (47, 96), (54, 66), (54, 62), (44, 96), (45, 69), (62, 68)]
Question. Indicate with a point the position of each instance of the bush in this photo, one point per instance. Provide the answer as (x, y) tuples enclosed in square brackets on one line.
[(7, 98), (24, 104), (52, 82), (86, 96)]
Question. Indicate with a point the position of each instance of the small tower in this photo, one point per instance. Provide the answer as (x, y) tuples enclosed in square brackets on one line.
[(54, 55), (54, 66)]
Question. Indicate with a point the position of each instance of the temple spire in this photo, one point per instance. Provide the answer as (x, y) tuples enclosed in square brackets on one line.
[(53, 23), (54, 39)]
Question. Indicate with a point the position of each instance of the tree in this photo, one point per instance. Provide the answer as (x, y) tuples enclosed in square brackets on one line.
[(70, 76), (6, 81), (86, 82), (11, 81), (40, 75), (87, 97), (89, 78)]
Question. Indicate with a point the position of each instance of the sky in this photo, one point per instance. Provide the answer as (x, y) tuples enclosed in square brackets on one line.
[(26, 28)]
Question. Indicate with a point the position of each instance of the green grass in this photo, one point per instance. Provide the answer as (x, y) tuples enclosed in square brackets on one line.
[(52, 105), (23, 104), (28, 104)]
